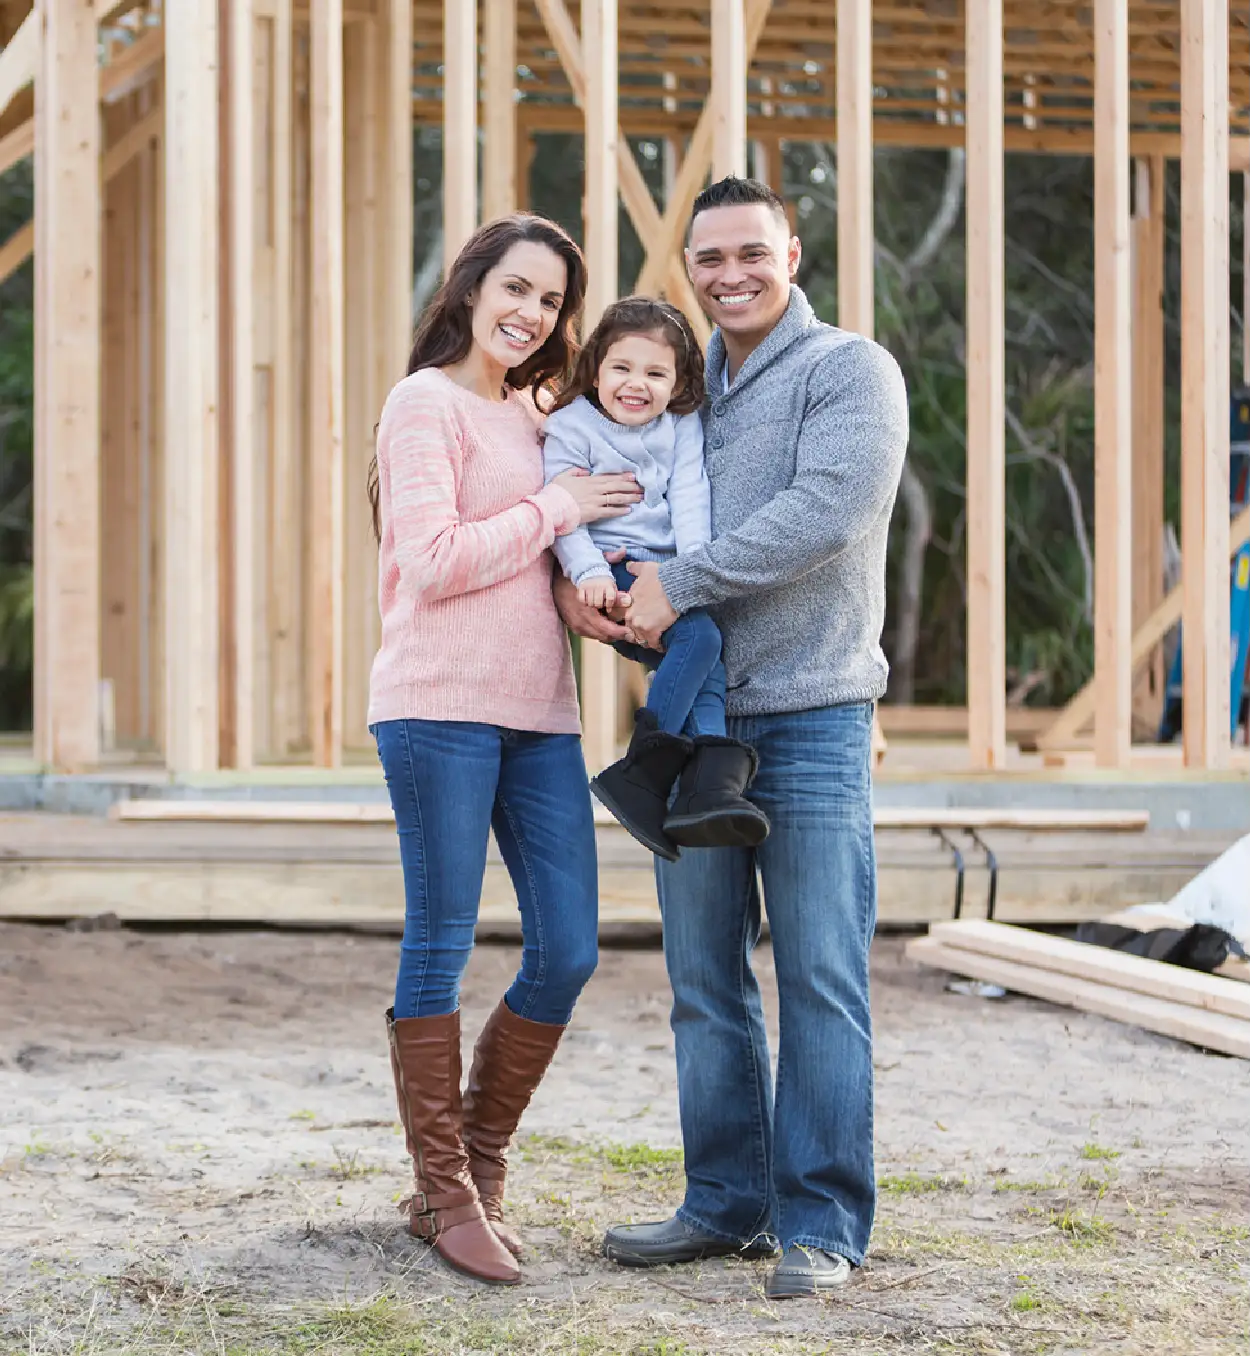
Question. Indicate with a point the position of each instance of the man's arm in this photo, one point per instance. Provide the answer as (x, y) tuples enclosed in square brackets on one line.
[(848, 462)]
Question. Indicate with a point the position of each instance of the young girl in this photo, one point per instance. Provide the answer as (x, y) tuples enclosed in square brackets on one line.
[(633, 406)]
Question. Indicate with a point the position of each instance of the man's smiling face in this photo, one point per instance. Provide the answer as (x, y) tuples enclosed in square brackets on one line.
[(742, 261)]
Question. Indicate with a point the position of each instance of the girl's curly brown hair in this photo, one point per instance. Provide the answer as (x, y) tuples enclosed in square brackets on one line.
[(640, 315)]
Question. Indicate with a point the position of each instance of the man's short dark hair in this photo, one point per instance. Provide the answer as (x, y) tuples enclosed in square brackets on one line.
[(735, 192)]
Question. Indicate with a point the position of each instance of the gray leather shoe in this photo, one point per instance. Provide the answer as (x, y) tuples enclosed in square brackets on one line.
[(673, 1240), (807, 1271)]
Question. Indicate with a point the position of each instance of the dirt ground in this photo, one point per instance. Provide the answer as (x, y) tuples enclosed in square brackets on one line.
[(198, 1153)]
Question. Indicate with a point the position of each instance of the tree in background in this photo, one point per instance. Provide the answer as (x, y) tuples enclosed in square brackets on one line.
[(920, 283), (17, 382)]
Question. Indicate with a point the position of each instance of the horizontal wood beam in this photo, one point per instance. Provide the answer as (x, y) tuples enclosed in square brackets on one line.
[(536, 117)]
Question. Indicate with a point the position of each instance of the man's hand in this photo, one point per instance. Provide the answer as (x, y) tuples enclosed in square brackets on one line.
[(650, 614), (583, 620)]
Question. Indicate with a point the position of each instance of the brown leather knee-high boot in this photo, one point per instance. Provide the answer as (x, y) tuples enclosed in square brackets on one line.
[(510, 1059), (444, 1209)]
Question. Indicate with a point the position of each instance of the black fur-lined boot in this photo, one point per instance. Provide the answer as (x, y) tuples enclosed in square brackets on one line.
[(710, 809), (635, 789)]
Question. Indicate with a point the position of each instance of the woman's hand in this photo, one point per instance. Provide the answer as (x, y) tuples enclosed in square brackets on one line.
[(599, 592), (600, 497)]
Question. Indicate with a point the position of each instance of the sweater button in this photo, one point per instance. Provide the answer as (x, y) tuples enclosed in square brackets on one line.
[(716, 440)]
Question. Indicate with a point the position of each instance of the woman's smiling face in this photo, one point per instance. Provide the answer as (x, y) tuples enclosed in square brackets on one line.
[(515, 307)]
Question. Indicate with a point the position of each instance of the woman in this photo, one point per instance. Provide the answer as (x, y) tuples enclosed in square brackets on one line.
[(474, 708)]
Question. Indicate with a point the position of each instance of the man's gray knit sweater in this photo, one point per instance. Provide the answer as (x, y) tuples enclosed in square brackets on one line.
[(804, 454)]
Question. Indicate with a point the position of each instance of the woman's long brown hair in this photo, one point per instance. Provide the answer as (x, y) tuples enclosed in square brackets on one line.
[(445, 331)]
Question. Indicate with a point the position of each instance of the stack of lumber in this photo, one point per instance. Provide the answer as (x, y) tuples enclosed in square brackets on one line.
[(1206, 1010)]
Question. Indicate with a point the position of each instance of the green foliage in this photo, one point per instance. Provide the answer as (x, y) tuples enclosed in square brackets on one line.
[(17, 367), (920, 293)]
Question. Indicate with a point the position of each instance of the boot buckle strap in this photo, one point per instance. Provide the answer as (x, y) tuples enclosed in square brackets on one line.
[(424, 1225)]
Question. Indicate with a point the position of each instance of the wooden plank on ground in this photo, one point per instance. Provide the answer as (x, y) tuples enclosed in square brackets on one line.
[(1211, 1030), (379, 812), (1099, 964)]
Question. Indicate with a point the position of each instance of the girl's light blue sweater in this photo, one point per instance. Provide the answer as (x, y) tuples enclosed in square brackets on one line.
[(665, 456)]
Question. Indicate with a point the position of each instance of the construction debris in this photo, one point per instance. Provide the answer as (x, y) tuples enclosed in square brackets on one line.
[(1206, 1010)]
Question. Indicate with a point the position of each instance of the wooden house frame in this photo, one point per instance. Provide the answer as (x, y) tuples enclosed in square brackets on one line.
[(223, 260)]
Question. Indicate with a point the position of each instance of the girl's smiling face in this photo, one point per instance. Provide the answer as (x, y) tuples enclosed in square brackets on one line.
[(636, 380)]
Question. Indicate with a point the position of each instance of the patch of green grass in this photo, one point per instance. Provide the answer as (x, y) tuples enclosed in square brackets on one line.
[(1098, 1186), (303, 1116), (348, 1166), (641, 1158), (1091, 1152), (1081, 1227), (637, 1159), (915, 1184), (1024, 1302), (1051, 1184)]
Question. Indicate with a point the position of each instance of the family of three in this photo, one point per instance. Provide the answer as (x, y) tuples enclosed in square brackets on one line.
[(723, 519)]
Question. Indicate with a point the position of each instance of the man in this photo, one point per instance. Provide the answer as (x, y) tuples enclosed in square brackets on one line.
[(805, 433)]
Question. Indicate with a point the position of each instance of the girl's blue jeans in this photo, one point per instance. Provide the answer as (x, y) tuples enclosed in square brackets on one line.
[(688, 688)]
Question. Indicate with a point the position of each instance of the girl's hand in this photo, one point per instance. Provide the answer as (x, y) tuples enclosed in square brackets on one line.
[(600, 497), (599, 592)]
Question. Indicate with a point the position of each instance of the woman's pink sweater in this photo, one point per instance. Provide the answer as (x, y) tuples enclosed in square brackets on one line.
[(469, 628)]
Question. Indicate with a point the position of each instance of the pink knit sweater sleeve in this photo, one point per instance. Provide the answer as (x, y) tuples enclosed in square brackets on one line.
[(421, 441)]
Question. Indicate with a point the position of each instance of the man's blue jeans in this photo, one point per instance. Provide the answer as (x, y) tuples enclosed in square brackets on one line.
[(688, 689), (795, 1160), (451, 783)]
